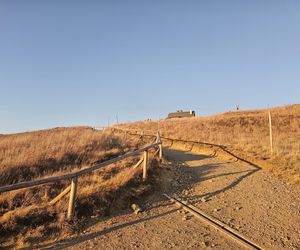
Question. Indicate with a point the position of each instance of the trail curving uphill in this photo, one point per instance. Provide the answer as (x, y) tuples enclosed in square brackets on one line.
[(260, 206)]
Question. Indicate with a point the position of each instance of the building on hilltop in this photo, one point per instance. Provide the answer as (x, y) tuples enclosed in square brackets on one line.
[(181, 114)]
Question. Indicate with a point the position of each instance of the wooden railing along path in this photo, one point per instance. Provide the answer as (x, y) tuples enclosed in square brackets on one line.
[(222, 148), (75, 175)]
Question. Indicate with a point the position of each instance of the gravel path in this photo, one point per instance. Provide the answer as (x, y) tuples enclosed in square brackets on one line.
[(257, 204)]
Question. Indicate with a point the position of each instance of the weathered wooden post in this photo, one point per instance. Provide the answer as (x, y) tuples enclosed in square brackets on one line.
[(158, 139), (160, 152), (271, 135), (72, 199), (145, 165)]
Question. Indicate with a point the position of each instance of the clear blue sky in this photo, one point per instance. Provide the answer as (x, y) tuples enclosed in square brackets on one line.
[(66, 63)]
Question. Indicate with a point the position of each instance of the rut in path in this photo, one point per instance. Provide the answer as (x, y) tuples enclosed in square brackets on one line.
[(257, 204)]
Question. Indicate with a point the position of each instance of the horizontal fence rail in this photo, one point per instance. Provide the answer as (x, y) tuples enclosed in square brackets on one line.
[(88, 170), (221, 147)]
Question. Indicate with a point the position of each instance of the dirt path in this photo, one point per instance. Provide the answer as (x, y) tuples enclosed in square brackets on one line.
[(260, 206)]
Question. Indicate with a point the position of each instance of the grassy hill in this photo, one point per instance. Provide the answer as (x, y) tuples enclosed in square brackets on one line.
[(245, 133), (25, 215)]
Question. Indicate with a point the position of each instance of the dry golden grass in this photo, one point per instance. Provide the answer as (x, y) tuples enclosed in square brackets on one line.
[(26, 214), (245, 133), (30, 155)]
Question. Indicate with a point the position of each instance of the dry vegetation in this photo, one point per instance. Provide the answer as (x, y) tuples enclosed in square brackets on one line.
[(245, 133), (26, 217)]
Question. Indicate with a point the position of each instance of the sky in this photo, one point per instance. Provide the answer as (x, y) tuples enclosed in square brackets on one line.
[(69, 63)]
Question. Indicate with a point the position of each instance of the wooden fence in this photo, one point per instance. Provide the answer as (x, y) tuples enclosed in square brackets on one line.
[(75, 175)]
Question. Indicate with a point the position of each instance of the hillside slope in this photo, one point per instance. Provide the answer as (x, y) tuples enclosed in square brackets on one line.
[(245, 133), (26, 216)]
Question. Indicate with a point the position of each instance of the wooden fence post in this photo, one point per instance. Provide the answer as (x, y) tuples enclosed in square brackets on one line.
[(271, 134), (145, 165), (158, 139), (160, 152), (72, 198)]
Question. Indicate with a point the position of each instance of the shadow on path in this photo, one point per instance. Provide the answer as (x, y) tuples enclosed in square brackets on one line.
[(82, 238), (205, 172)]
